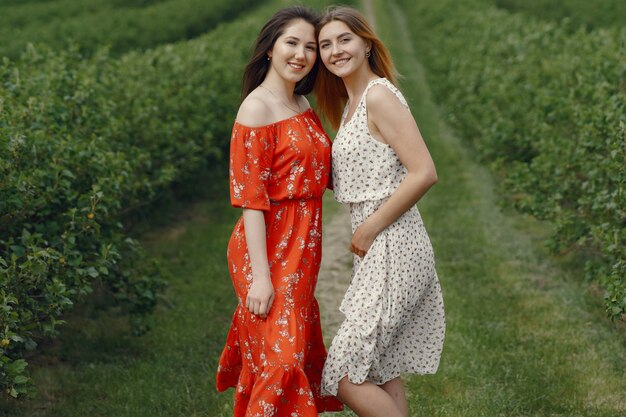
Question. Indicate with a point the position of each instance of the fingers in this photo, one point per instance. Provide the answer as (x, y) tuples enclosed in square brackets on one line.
[(263, 310), (269, 304), (258, 307), (358, 252), (250, 304)]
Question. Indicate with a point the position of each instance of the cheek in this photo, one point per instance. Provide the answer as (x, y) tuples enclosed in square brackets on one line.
[(325, 56), (311, 56), (280, 50)]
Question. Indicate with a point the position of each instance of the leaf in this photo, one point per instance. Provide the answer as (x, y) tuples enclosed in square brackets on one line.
[(30, 344), (68, 174), (18, 250), (18, 366), (20, 379)]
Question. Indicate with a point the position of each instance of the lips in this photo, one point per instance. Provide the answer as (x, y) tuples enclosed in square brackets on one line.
[(297, 67), (341, 62)]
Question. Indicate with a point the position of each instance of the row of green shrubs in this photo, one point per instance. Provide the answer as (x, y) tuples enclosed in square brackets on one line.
[(83, 143), (10, 3), (123, 28), (544, 104), (31, 15), (590, 14)]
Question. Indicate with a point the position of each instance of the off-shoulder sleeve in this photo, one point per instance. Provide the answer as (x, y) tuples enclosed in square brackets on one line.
[(251, 153), (317, 120)]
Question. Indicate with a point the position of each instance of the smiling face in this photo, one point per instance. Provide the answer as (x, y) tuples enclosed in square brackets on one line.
[(342, 51), (295, 51)]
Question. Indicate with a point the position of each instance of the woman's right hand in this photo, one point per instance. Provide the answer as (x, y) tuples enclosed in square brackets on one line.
[(260, 297)]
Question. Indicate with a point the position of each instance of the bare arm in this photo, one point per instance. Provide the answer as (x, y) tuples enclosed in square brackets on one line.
[(255, 112), (392, 123), (261, 293)]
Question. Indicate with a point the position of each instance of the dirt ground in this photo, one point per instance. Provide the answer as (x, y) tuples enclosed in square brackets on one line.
[(334, 275)]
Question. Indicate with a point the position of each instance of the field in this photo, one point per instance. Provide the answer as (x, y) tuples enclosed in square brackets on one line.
[(114, 215)]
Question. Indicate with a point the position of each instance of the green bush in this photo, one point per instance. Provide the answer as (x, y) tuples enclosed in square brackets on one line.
[(544, 104), (10, 3), (590, 14), (33, 15), (83, 143), (121, 27)]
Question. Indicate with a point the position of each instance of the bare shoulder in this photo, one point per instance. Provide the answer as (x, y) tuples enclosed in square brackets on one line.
[(381, 99), (303, 102), (254, 112)]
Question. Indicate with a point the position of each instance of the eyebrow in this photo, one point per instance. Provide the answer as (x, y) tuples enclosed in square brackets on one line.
[(339, 36), (298, 39)]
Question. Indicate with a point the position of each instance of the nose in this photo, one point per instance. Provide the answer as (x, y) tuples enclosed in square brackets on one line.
[(300, 52), (335, 49)]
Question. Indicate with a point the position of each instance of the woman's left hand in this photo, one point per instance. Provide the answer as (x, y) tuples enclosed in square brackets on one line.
[(362, 239)]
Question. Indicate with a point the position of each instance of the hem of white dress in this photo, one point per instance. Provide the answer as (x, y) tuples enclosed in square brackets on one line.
[(332, 388)]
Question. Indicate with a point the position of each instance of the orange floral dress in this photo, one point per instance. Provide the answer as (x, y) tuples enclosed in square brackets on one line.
[(276, 363)]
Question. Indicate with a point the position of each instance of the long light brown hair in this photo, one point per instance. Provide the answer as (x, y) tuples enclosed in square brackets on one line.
[(330, 91), (258, 65)]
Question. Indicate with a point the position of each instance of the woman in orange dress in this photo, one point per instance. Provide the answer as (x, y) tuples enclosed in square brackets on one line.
[(279, 169)]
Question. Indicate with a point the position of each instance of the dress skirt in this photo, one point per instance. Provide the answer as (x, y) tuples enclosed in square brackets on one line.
[(276, 363), (394, 317)]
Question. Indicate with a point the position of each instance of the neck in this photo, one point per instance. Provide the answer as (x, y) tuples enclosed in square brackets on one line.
[(282, 88), (357, 82)]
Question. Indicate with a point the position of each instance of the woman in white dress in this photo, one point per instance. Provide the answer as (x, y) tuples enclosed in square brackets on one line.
[(394, 318)]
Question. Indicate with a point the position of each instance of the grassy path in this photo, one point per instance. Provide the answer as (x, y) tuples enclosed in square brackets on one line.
[(523, 337)]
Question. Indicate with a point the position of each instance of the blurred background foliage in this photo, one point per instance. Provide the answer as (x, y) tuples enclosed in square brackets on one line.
[(109, 107)]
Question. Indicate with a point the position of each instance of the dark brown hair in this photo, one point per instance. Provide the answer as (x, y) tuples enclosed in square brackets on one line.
[(330, 91), (259, 65)]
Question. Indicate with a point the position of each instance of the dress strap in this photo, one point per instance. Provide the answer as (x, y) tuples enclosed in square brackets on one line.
[(389, 85), (361, 109), (345, 113)]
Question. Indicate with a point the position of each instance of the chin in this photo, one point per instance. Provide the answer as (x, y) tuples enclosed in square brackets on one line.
[(342, 73), (297, 78)]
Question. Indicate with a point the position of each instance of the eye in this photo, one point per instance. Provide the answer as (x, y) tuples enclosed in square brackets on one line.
[(293, 43), (324, 45), (310, 47)]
